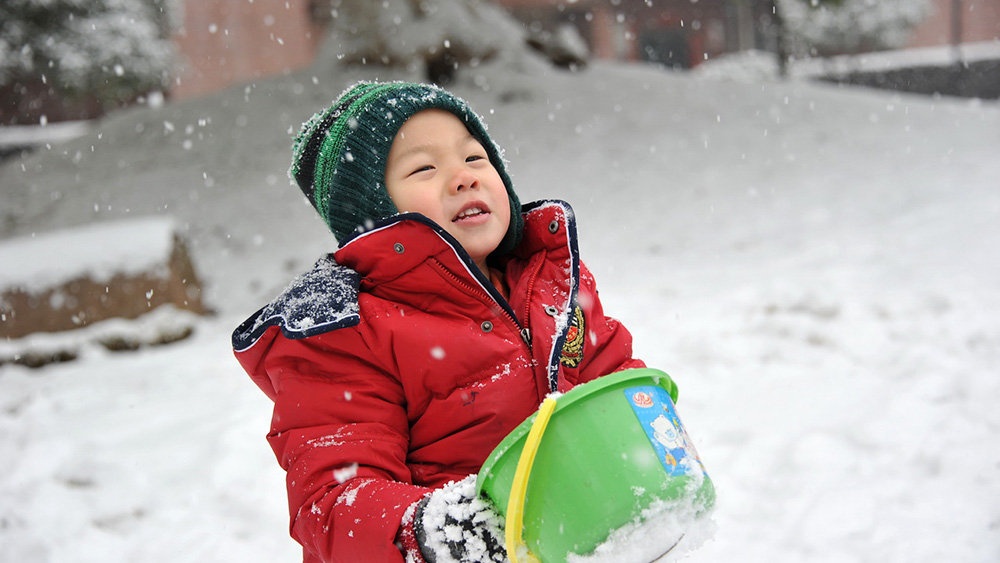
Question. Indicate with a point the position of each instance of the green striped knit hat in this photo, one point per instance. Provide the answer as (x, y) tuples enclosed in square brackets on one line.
[(339, 156)]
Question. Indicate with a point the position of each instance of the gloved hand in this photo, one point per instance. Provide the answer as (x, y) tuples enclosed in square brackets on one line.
[(454, 525)]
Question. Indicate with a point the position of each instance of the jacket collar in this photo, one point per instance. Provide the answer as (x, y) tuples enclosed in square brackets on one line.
[(326, 297), (396, 245)]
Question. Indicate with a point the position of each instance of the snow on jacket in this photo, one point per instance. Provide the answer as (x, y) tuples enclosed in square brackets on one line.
[(395, 367)]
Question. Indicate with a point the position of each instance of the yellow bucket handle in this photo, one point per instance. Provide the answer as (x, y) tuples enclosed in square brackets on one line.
[(519, 488)]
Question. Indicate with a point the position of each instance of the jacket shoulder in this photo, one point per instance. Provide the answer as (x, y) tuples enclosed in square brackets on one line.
[(323, 299)]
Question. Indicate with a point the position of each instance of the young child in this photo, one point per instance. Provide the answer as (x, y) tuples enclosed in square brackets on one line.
[(448, 313)]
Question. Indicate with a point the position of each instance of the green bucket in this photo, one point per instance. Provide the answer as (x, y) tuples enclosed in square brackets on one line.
[(612, 448)]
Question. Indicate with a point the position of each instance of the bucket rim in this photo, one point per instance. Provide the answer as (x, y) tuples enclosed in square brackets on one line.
[(566, 400)]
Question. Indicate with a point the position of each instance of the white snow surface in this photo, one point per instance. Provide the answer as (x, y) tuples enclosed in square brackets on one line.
[(815, 266), (755, 66), (98, 251), (664, 532)]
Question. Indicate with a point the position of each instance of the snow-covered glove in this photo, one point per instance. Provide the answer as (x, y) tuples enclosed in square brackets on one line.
[(454, 525)]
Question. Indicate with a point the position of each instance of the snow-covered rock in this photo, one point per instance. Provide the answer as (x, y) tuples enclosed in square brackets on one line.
[(69, 278)]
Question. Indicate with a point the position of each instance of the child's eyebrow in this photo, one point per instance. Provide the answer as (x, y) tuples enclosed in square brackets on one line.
[(415, 149), (429, 147)]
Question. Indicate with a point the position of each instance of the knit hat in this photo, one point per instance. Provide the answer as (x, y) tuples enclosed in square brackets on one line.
[(339, 156)]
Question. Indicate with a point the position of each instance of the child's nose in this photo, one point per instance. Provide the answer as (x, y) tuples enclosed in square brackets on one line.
[(463, 179)]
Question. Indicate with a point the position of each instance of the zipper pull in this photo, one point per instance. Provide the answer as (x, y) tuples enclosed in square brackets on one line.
[(526, 336)]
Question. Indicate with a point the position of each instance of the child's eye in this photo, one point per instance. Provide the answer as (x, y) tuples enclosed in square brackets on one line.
[(475, 157), (422, 169)]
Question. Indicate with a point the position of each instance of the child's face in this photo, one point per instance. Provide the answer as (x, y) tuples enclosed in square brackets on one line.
[(437, 168)]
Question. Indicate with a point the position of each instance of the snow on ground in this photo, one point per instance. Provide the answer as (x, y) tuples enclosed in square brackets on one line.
[(754, 65), (814, 265), (98, 251), (29, 135)]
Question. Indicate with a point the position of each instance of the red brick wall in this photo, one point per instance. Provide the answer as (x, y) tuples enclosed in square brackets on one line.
[(980, 21), (222, 42)]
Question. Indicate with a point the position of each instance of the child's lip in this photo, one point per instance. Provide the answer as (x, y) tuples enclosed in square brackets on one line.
[(472, 205)]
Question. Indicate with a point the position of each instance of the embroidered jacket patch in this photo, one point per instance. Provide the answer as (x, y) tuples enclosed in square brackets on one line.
[(572, 351)]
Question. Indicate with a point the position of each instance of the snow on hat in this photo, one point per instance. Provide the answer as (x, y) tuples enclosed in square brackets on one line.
[(339, 156)]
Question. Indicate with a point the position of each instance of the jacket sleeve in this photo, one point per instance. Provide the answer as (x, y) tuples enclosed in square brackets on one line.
[(608, 344), (341, 433)]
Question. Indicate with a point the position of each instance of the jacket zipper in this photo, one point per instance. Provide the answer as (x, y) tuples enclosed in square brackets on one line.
[(536, 268), (504, 307)]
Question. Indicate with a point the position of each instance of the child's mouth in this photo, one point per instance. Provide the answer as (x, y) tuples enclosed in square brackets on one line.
[(469, 213)]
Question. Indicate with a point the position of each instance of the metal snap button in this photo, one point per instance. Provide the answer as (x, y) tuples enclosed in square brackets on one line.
[(398, 247), (487, 326), (551, 310), (553, 227)]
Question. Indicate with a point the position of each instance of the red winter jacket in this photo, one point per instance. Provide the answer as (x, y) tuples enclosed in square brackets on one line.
[(395, 367)]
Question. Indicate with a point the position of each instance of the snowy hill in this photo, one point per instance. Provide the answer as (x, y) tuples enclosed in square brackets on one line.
[(814, 265)]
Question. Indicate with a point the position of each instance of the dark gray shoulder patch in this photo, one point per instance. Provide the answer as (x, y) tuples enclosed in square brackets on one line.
[(323, 299)]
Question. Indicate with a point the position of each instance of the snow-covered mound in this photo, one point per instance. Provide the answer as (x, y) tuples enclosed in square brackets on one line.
[(813, 265), (97, 251)]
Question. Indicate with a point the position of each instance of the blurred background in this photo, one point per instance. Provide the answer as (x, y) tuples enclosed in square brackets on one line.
[(66, 60)]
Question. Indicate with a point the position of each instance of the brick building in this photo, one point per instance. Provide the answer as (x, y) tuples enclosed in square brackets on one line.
[(682, 33), (225, 42), (962, 21), (675, 33), (222, 42)]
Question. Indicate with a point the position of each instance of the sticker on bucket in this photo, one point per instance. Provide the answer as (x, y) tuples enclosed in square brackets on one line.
[(656, 414)]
